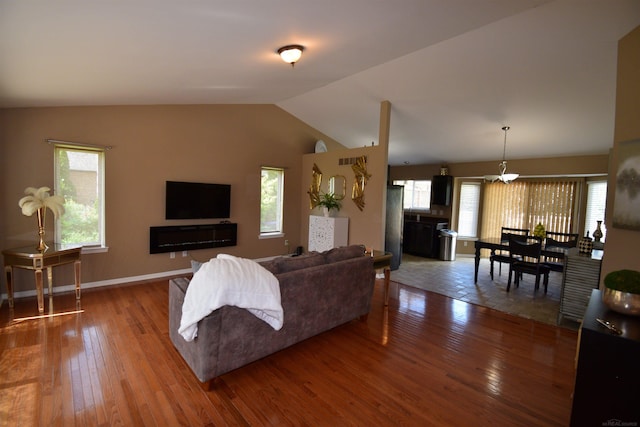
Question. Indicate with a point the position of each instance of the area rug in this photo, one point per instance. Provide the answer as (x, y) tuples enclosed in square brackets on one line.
[(455, 279)]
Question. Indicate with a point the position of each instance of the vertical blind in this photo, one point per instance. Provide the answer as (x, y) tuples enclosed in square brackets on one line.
[(524, 204)]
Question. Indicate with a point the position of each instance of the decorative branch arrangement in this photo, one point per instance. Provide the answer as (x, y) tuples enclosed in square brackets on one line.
[(37, 201), (361, 178), (314, 188)]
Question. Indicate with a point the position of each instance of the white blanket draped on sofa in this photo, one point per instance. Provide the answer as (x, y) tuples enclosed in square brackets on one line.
[(229, 280)]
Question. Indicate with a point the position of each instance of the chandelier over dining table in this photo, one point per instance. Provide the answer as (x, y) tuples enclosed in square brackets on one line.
[(502, 166)]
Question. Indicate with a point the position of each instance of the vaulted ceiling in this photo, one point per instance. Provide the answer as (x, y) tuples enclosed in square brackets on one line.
[(455, 71)]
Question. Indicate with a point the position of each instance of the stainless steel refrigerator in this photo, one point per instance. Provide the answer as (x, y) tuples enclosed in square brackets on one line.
[(394, 224)]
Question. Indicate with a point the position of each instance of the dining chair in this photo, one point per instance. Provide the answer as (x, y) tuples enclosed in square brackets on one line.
[(526, 258), (503, 256), (554, 240)]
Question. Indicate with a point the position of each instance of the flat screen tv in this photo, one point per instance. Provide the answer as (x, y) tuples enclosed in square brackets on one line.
[(195, 200)]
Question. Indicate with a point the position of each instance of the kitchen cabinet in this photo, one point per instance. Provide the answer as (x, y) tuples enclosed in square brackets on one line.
[(422, 237), (441, 190)]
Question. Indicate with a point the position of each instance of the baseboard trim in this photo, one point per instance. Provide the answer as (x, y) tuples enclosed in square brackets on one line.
[(101, 283)]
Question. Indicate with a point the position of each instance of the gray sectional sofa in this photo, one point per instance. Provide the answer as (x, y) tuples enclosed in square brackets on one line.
[(319, 291)]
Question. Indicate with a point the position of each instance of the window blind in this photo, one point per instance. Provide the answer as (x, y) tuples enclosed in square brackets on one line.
[(596, 205), (469, 208), (524, 204)]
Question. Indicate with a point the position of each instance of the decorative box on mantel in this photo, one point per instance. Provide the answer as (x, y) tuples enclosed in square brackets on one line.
[(327, 232)]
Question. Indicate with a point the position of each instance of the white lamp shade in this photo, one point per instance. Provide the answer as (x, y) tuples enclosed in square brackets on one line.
[(508, 177), (505, 177), (290, 54)]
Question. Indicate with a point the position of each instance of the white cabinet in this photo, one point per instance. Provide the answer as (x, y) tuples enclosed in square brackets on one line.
[(327, 232)]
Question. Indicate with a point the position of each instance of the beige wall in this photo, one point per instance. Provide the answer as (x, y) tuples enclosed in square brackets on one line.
[(621, 249), (152, 144), (366, 226)]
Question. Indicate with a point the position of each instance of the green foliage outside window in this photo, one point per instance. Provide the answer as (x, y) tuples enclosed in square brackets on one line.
[(81, 222), (271, 200)]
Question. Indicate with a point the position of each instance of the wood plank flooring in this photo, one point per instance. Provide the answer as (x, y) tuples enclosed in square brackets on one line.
[(427, 360)]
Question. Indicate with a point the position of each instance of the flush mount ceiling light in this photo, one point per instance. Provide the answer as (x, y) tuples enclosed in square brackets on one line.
[(291, 53), (502, 166)]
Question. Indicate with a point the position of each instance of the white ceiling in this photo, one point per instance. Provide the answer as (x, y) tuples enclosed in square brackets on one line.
[(455, 71)]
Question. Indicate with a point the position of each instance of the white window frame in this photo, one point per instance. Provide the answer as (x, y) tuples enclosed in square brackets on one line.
[(469, 206), (98, 245), (410, 199), (595, 208), (278, 230)]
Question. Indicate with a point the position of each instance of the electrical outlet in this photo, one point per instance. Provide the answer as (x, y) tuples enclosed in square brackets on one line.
[(286, 243), (172, 255), (184, 254)]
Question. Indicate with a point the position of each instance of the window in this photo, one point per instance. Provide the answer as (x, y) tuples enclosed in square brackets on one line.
[(79, 178), (596, 204), (524, 204), (469, 207), (271, 201), (417, 194)]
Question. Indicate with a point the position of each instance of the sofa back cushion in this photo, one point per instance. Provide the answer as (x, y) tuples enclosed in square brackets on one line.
[(286, 264), (270, 265), (344, 252)]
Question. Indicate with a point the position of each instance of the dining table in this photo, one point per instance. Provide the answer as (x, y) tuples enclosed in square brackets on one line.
[(497, 244)]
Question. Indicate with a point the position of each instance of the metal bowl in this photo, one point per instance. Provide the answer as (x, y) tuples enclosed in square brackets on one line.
[(622, 302)]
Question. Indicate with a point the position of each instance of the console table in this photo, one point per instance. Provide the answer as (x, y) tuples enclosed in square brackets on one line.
[(30, 258), (607, 377)]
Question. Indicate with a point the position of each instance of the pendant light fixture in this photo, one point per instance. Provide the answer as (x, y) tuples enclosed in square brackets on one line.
[(502, 166), (291, 53)]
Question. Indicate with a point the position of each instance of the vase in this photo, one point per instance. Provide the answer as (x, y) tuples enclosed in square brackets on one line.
[(42, 214), (585, 245), (597, 234), (329, 213)]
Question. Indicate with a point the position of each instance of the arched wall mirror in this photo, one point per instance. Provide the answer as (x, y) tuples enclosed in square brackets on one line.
[(338, 186)]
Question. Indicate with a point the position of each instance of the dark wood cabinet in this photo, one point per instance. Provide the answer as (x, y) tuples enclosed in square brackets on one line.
[(441, 190), (422, 237), (607, 385)]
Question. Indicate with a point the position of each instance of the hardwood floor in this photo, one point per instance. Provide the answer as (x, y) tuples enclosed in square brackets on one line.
[(427, 360)]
